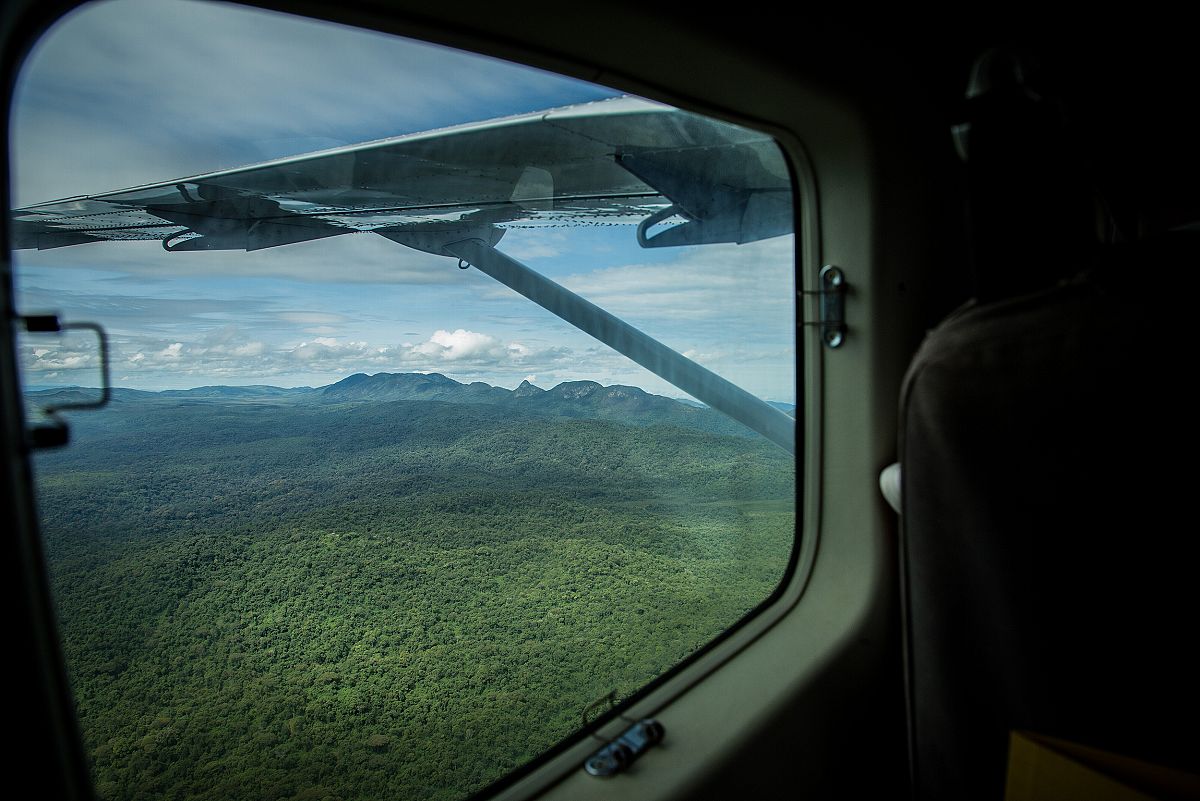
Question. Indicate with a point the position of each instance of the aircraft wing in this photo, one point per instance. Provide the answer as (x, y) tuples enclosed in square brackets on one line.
[(623, 160), (682, 178)]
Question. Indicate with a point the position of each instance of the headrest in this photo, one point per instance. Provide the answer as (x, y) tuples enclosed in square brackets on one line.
[(1031, 210)]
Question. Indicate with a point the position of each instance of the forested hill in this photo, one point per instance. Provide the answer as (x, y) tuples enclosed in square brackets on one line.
[(571, 399), (310, 594)]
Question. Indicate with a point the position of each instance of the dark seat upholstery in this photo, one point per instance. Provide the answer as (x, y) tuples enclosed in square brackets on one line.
[(1049, 528)]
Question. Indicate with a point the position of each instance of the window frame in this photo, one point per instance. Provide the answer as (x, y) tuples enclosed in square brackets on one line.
[(837, 396)]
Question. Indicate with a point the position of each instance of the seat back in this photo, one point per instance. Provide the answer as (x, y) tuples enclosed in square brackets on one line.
[(1048, 536), (1048, 547)]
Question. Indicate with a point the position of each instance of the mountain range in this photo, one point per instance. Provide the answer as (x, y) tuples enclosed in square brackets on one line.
[(578, 399)]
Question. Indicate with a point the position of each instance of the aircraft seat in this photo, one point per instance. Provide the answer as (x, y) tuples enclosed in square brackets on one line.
[(1048, 537)]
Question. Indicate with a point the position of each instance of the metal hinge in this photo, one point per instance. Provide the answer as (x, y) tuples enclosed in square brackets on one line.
[(832, 307)]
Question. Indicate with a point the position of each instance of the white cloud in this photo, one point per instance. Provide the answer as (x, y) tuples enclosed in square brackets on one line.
[(62, 357), (461, 344)]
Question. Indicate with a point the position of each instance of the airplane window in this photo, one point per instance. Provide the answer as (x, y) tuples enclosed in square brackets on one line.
[(358, 523)]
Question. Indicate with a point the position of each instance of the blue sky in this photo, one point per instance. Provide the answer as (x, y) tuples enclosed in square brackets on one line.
[(133, 91)]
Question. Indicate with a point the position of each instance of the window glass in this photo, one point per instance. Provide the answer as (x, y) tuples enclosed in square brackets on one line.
[(357, 523)]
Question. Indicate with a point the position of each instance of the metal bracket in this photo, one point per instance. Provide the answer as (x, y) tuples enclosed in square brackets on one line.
[(621, 752), (832, 294), (56, 432)]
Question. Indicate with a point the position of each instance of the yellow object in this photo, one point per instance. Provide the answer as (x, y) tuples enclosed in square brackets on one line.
[(1043, 768)]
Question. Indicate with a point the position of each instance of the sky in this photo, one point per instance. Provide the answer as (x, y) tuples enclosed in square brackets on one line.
[(126, 92)]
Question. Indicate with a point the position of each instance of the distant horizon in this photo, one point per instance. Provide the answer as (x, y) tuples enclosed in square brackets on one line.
[(40, 387)]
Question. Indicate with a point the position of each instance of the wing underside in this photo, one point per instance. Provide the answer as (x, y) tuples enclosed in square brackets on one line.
[(613, 162)]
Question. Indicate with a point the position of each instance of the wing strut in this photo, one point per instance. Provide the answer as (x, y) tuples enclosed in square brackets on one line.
[(697, 381)]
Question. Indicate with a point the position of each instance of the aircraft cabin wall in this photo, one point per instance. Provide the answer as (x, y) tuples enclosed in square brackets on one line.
[(810, 698)]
